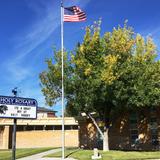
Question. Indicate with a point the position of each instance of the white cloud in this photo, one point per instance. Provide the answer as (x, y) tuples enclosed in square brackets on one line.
[(26, 42), (21, 73), (35, 35)]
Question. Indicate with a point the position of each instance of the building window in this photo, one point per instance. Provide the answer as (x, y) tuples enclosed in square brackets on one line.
[(133, 128), (74, 127), (49, 128), (25, 128), (154, 128), (67, 127), (30, 128), (134, 132), (20, 128), (45, 127), (58, 128), (39, 128), (71, 127)]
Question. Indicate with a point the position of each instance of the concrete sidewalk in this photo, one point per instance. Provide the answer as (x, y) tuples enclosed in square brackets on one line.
[(40, 156), (56, 159)]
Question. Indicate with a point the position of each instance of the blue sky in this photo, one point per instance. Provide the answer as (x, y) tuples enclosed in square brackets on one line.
[(30, 28)]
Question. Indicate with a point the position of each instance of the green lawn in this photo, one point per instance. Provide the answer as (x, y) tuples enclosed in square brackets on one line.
[(6, 154), (111, 155)]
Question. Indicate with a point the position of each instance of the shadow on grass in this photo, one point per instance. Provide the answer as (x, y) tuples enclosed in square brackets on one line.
[(72, 152)]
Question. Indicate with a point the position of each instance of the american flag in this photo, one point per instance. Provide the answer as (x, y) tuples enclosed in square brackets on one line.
[(74, 14)]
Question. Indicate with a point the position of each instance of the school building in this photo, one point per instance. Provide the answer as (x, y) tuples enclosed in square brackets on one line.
[(45, 131), (129, 131)]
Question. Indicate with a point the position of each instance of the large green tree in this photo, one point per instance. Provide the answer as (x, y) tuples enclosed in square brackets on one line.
[(105, 74)]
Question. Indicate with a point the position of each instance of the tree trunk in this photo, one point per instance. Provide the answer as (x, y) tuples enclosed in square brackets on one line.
[(106, 128), (105, 140)]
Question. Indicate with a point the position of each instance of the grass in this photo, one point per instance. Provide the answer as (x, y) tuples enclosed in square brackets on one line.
[(111, 155), (7, 154)]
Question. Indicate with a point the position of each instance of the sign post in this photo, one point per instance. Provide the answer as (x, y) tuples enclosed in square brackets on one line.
[(17, 108), (14, 91), (14, 140)]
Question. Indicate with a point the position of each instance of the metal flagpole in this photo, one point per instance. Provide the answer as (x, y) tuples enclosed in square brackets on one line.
[(62, 50)]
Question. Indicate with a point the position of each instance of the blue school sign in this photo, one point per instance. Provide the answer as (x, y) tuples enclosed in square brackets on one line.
[(18, 107)]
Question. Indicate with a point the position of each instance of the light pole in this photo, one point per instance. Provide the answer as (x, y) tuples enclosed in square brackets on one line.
[(94, 121), (96, 154)]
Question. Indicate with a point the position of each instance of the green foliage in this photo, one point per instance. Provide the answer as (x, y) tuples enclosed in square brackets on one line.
[(106, 73), (51, 79)]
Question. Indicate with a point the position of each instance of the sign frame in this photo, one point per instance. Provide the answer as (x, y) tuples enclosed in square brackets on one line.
[(14, 98)]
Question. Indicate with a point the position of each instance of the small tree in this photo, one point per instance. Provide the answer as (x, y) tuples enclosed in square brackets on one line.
[(106, 74)]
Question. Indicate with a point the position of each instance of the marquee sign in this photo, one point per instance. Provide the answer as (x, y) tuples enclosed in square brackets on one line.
[(17, 107)]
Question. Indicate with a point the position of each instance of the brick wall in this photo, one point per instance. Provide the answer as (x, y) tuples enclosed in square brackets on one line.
[(4, 137), (31, 139), (120, 132), (39, 137)]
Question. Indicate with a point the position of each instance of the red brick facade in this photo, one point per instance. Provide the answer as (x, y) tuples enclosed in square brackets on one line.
[(131, 131)]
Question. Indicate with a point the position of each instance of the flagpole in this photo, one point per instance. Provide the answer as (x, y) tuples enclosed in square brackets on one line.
[(62, 59)]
